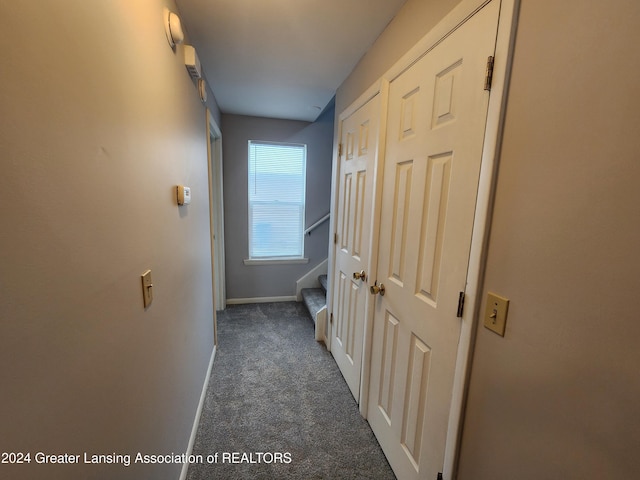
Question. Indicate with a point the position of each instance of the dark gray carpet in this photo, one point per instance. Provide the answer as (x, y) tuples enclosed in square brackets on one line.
[(274, 389)]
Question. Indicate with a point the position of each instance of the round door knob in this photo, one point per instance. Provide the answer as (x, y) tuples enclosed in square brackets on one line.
[(359, 275), (377, 289)]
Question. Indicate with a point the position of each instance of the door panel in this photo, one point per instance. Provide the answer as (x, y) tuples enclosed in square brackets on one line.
[(435, 130), (359, 134)]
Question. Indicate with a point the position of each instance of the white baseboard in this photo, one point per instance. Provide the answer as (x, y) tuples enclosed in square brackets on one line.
[(242, 301), (196, 421)]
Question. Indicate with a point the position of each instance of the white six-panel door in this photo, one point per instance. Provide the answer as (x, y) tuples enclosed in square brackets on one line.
[(435, 129), (359, 134)]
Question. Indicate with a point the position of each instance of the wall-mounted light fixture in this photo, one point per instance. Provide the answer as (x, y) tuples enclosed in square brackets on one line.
[(173, 28)]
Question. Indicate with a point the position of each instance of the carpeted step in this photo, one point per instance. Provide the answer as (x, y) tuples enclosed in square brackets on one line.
[(314, 299), (323, 282)]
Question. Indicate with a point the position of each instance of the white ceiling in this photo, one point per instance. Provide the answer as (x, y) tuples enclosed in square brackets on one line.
[(281, 58)]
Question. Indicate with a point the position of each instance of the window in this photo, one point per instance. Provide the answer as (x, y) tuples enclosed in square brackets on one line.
[(277, 174)]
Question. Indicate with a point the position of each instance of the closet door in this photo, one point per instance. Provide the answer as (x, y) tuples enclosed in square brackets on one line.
[(359, 134), (435, 131)]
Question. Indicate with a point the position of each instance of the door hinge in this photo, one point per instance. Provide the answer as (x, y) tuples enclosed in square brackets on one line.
[(460, 305), (489, 78), (439, 477), (335, 238), (339, 150), (331, 318)]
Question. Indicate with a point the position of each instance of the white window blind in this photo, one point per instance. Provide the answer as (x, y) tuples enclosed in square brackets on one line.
[(277, 177)]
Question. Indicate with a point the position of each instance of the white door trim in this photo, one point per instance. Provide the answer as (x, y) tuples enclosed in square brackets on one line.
[(493, 133), (216, 214)]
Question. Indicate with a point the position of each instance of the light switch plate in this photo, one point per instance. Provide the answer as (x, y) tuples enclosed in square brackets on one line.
[(495, 315), (147, 288), (183, 194)]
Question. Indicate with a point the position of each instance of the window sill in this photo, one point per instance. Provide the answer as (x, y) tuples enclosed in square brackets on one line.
[(275, 261)]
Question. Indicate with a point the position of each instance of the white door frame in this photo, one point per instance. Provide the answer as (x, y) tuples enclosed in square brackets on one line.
[(492, 139), (216, 210)]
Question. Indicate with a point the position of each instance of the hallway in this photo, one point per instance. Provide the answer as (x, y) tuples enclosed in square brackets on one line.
[(276, 395)]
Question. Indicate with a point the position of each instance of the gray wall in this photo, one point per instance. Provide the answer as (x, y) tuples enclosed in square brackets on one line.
[(255, 281), (99, 122), (557, 397), (411, 23)]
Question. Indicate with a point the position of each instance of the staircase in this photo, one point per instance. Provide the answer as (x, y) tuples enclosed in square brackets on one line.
[(316, 301)]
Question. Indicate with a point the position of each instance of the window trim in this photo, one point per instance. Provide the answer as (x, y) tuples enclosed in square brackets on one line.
[(277, 260)]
